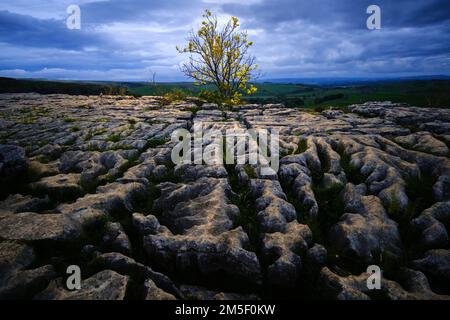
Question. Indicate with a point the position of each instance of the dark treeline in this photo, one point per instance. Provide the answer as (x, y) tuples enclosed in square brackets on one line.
[(9, 85)]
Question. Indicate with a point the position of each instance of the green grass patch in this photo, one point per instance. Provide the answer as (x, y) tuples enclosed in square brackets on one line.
[(28, 120), (94, 229), (246, 204), (113, 138), (331, 208), (352, 173), (155, 142), (302, 147), (250, 171)]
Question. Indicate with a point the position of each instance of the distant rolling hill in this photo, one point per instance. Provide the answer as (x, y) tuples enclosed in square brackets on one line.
[(422, 91), (10, 85), (346, 81)]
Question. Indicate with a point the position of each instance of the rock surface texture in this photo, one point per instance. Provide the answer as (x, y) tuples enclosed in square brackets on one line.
[(89, 181)]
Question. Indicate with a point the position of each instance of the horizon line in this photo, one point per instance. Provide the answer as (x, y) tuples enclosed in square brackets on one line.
[(329, 78)]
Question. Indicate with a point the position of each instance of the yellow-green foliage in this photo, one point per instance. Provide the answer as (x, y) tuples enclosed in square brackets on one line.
[(175, 95), (220, 56)]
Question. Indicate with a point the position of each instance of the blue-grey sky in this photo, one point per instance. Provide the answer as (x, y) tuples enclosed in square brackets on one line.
[(131, 39)]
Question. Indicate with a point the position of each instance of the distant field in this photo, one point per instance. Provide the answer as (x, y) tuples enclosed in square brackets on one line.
[(423, 93), (8, 85)]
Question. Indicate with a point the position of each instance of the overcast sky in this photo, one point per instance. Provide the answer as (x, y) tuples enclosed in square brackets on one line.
[(130, 39)]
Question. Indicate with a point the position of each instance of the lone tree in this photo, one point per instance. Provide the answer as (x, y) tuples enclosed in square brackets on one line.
[(220, 56)]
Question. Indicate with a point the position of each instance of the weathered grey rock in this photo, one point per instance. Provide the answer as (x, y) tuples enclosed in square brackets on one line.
[(283, 238), (209, 106), (425, 142), (365, 232), (152, 292), (15, 281), (14, 256), (23, 284), (316, 257), (13, 163), (273, 106), (383, 171), (105, 285), (284, 271), (274, 211), (126, 265), (194, 172), (436, 126), (90, 251), (145, 224), (152, 166), (333, 286), (199, 293), (200, 216), (40, 170), (111, 198), (116, 238), (436, 263), (118, 148), (92, 165), (30, 227), (49, 151), (298, 172), (16, 203), (61, 186), (431, 225), (332, 114)]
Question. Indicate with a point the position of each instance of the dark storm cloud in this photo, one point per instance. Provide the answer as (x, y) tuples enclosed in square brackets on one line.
[(342, 13), (141, 10), (293, 38), (28, 31), (331, 37)]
